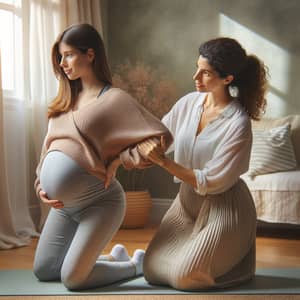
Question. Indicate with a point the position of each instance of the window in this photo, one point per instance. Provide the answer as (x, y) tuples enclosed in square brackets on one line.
[(10, 45)]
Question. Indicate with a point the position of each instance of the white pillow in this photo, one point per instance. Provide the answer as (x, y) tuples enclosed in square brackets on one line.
[(272, 151)]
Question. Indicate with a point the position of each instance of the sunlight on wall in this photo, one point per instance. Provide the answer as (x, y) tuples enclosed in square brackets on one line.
[(276, 59)]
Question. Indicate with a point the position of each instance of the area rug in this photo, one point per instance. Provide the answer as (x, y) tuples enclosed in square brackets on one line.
[(266, 281)]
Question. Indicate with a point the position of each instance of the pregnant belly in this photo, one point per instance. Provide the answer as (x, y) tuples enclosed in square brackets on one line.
[(63, 179)]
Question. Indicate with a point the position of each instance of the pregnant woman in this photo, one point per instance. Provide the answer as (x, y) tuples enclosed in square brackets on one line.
[(93, 128)]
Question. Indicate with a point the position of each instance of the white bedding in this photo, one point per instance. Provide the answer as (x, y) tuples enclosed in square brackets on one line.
[(276, 196), (277, 207), (280, 181)]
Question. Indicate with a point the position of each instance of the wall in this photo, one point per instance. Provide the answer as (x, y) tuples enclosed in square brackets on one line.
[(166, 34), (270, 29)]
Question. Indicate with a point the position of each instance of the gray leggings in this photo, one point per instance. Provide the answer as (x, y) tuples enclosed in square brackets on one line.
[(73, 237)]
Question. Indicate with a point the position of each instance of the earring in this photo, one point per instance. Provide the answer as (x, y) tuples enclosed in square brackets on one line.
[(233, 91)]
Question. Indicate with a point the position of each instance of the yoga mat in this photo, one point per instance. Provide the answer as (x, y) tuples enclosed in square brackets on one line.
[(266, 281)]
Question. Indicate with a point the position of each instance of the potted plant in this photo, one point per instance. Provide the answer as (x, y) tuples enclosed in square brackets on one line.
[(138, 199), (156, 94)]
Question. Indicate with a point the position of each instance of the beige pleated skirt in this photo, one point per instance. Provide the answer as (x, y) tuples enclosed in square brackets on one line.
[(204, 241)]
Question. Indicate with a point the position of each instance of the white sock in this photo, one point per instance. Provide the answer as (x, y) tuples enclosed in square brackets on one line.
[(117, 253), (138, 259)]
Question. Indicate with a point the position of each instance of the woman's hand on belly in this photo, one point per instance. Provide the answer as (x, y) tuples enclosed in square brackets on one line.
[(51, 202)]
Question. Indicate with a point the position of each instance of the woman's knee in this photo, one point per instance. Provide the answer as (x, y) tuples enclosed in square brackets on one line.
[(178, 280), (149, 265), (192, 281), (45, 271), (149, 273), (69, 280), (70, 284), (72, 278), (40, 272)]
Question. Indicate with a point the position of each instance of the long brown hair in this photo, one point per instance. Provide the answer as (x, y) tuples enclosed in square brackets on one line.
[(227, 57), (81, 37)]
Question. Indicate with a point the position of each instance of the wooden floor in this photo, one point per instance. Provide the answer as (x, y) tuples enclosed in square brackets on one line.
[(273, 251)]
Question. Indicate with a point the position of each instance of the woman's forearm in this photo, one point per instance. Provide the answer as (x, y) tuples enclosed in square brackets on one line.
[(155, 153), (186, 175)]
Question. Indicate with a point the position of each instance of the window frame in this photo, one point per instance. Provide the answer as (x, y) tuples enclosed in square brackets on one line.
[(17, 90)]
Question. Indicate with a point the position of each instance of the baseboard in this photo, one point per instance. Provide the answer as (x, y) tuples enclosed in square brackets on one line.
[(278, 230)]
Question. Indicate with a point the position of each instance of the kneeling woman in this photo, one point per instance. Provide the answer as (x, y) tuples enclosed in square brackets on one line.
[(207, 237), (92, 127)]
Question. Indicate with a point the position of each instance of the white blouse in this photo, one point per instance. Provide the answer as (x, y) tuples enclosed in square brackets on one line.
[(220, 153)]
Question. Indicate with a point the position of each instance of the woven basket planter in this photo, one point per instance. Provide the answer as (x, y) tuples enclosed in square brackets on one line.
[(138, 207)]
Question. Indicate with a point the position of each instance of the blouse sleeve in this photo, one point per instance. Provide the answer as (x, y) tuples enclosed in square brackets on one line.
[(176, 116), (168, 121), (131, 158), (171, 120), (230, 160)]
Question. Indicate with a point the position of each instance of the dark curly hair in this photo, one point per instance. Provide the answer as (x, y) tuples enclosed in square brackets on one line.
[(228, 57)]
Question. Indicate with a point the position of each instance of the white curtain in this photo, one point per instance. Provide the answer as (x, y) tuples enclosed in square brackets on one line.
[(10, 234), (82, 11), (23, 124)]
